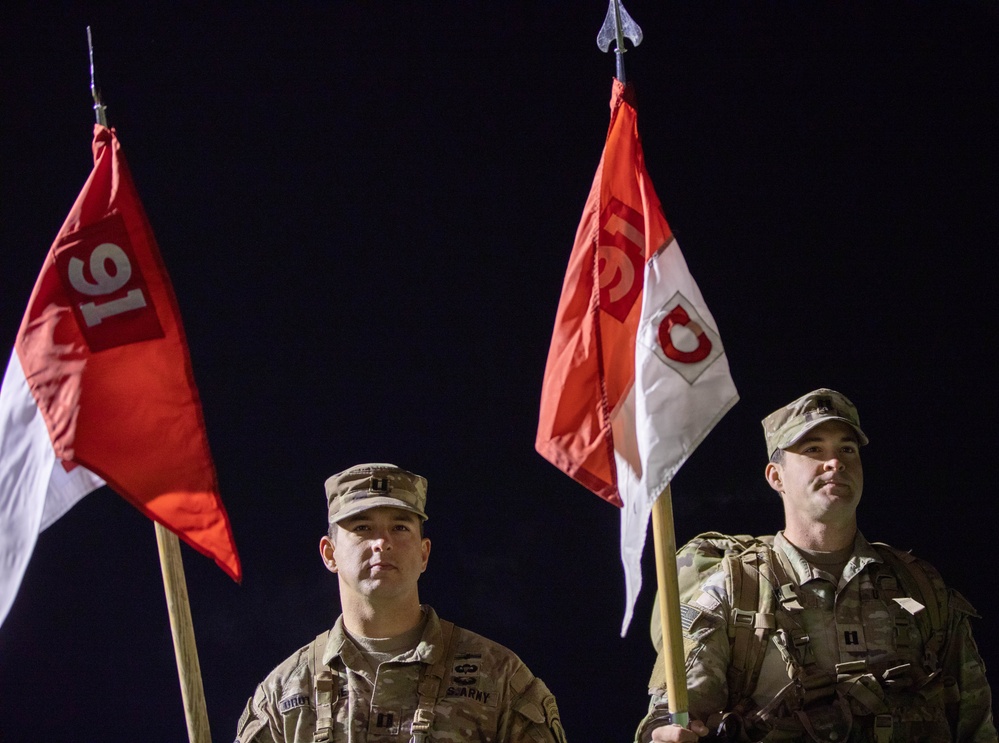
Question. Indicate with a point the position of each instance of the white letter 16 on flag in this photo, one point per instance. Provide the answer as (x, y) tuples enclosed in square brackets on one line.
[(113, 307)]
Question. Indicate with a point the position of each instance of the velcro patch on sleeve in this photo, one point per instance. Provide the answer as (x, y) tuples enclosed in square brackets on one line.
[(707, 601)]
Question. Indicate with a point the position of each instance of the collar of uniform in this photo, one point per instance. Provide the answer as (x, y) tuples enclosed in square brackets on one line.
[(430, 646), (863, 554)]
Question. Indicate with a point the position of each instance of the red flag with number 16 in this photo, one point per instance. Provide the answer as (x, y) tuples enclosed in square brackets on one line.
[(106, 367)]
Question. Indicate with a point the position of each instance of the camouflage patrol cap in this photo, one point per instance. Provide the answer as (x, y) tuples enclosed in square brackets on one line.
[(784, 427), (365, 486)]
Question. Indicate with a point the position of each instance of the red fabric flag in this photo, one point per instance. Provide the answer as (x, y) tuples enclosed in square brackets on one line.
[(636, 373), (104, 354)]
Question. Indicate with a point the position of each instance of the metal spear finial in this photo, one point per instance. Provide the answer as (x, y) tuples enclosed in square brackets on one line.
[(100, 110), (617, 25)]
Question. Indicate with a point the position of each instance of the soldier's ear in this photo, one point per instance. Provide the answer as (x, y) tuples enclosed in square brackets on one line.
[(425, 550), (327, 549), (773, 475)]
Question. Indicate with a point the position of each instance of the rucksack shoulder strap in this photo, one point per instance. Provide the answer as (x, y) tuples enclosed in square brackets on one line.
[(921, 582), (756, 577), (750, 583), (327, 689), (432, 685)]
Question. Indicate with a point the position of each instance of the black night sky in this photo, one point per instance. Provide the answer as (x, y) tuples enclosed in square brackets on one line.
[(366, 210)]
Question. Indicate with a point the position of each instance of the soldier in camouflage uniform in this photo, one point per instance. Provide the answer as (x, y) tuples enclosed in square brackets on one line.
[(390, 670), (841, 640)]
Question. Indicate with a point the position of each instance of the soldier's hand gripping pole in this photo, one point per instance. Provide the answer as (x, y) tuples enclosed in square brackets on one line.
[(669, 607)]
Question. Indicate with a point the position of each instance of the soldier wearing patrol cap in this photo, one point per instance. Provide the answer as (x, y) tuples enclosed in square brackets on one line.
[(816, 634), (390, 670)]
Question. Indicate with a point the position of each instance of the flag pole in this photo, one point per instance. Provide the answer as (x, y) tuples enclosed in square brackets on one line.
[(100, 110), (182, 628), (618, 25), (664, 537), (174, 583)]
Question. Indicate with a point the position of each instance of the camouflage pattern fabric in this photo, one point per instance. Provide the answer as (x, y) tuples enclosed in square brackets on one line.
[(844, 662), (785, 426), (488, 694)]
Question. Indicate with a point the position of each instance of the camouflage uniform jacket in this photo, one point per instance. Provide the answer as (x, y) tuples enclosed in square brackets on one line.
[(486, 693), (841, 661)]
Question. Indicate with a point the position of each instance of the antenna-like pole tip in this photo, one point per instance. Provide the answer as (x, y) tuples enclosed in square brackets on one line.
[(100, 110)]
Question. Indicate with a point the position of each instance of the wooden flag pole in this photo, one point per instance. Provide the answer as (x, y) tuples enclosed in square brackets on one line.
[(174, 584), (669, 607), (182, 629)]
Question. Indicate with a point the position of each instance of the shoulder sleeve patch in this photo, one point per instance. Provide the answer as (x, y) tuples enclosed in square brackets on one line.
[(529, 709), (249, 726), (244, 718), (688, 615), (538, 705)]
